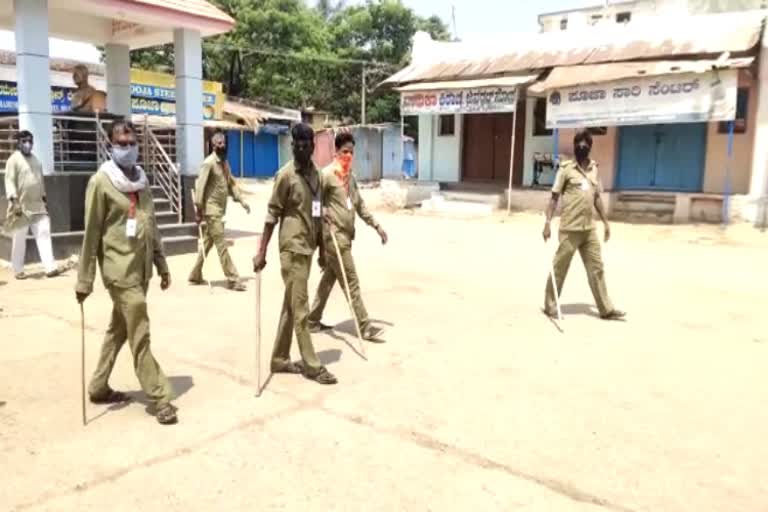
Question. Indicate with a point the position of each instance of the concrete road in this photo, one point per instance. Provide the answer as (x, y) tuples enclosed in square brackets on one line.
[(476, 401)]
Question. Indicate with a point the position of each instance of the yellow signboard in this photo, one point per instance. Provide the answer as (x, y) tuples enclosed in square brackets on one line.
[(155, 93)]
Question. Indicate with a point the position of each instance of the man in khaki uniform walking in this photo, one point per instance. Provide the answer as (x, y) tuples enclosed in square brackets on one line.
[(28, 207), (578, 183), (296, 203), (341, 201), (213, 187), (121, 234)]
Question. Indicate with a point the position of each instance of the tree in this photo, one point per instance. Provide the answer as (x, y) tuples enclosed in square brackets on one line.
[(286, 53)]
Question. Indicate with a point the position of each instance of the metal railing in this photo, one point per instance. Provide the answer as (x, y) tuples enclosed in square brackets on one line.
[(81, 143), (163, 171)]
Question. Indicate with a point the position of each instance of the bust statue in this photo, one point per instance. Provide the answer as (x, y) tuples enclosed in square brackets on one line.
[(86, 98)]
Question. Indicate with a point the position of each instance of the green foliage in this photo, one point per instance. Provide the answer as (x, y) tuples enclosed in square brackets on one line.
[(286, 53)]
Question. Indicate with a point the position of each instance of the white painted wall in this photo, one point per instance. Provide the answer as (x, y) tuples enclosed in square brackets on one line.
[(544, 144), (446, 157), (439, 157)]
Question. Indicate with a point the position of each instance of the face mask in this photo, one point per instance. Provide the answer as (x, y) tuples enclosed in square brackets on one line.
[(345, 162), (581, 152), (302, 154), (125, 158), (26, 148)]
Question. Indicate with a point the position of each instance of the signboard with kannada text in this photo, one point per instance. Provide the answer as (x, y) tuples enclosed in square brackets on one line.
[(677, 98), (459, 101)]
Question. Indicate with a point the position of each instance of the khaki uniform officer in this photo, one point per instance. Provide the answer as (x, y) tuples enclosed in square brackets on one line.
[(341, 201), (578, 183), (213, 187), (296, 203), (121, 234)]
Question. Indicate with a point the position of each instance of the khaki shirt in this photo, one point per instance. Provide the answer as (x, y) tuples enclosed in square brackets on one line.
[(342, 205), (24, 181), (124, 261), (291, 205), (214, 185), (578, 189)]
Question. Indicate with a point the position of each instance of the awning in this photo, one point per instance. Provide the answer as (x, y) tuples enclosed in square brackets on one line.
[(568, 76), (504, 81), (255, 114)]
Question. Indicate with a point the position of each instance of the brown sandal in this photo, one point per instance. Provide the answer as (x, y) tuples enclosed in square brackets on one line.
[(322, 376), (166, 415), (289, 367)]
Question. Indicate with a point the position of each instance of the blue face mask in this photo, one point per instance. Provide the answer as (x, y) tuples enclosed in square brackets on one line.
[(125, 157)]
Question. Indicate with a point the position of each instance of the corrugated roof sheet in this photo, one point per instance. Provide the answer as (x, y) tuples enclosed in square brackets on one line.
[(594, 73), (200, 8), (504, 81), (642, 39), (253, 113)]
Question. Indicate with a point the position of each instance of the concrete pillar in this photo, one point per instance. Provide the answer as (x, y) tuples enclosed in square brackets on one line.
[(118, 57), (758, 188), (33, 76), (189, 99)]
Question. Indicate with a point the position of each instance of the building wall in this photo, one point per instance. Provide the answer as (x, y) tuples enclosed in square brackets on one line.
[(541, 144), (439, 157), (717, 149), (446, 156), (604, 151)]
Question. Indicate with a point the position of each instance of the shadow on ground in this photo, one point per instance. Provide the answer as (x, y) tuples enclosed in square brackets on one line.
[(180, 384)]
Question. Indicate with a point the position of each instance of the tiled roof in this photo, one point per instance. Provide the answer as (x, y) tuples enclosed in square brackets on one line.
[(200, 8)]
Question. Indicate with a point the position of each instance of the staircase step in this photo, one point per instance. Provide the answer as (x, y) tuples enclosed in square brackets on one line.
[(157, 192), (174, 245), (643, 217), (646, 198), (643, 206), (162, 205), (166, 218), (172, 230), (488, 198)]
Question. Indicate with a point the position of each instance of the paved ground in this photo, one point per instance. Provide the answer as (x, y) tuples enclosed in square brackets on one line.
[(477, 401)]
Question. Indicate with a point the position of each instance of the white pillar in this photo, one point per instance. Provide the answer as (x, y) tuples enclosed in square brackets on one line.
[(189, 99), (33, 76), (758, 188), (118, 58)]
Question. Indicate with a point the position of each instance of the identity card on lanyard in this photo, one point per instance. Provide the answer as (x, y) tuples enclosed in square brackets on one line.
[(130, 224)]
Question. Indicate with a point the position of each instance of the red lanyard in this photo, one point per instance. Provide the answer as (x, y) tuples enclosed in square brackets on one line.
[(132, 207)]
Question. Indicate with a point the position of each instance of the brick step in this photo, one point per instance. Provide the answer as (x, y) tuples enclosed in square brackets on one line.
[(644, 206)]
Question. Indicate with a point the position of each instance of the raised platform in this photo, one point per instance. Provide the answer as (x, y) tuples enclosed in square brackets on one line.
[(177, 239)]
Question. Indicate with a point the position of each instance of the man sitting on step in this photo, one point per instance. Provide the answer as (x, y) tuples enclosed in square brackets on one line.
[(213, 187)]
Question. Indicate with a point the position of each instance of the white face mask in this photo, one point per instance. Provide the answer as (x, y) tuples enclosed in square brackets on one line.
[(125, 158), (26, 148)]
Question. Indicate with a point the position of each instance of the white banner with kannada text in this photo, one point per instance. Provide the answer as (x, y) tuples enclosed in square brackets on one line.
[(459, 101), (681, 98)]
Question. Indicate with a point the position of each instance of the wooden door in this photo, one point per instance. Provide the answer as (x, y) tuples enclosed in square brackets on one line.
[(502, 146), (478, 160)]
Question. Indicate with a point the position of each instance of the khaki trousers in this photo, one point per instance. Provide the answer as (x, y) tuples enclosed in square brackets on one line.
[(588, 246), (130, 322), (294, 316)]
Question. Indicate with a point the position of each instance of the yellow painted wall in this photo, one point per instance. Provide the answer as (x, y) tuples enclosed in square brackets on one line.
[(717, 149)]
